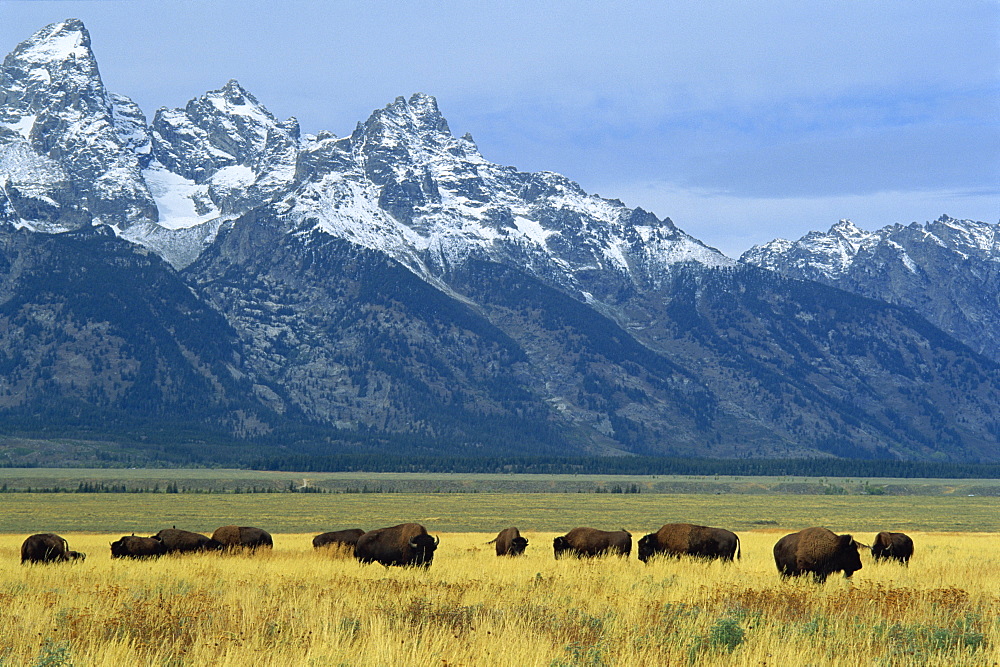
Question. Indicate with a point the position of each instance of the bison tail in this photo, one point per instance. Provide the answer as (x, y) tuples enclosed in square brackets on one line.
[(493, 541)]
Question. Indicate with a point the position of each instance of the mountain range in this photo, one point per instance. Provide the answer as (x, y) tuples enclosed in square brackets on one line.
[(213, 275)]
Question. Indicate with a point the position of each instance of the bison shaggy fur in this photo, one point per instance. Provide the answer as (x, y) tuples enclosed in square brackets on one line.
[(685, 539), (406, 544), (47, 548), (593, 542), (131, 546), (817, 551), (896, 546), (242, 537), (509, 542), (184, 540), (338, 538)]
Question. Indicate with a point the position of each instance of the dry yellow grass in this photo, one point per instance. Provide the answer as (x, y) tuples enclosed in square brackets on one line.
[(295, 606)]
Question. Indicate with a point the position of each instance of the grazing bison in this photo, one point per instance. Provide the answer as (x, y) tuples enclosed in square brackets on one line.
[(47, 548), (680, 539), (338, 538), (184, 540), (816, 550), (509, 542), (593, 542), (131, 546), (897, 546), (242, 537), (405, 544)]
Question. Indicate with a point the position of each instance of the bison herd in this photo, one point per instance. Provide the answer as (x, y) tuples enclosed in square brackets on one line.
[(816, 551)]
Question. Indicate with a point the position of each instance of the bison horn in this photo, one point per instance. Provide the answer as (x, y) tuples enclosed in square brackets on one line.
[(413, 543), (437, 541)]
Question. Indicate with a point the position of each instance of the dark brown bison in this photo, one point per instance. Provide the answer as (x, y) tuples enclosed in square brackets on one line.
[(896, 546), (509, 542), (685, 539), (242, 537), (405, 544), (184, 540), (816, 550), (593, 542), (338, 538), (47, 548), (131, 546)]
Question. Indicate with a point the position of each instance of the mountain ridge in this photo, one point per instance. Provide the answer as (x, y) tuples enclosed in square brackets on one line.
[(948, 270), (393, 287)]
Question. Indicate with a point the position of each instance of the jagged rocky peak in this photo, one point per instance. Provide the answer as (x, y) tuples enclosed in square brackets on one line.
[(220, 156), (963, 234), (411, 136), (829, 254), (825, 253), (848, 231), (947, 270), (57, 57), (222, 128), (57, 117), (417, 117)]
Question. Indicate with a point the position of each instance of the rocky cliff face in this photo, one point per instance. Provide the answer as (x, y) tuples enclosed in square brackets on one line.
[(393, 289), (947, 270), (70, 152)]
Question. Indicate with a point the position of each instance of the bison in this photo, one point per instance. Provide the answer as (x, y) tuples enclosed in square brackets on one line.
[(47, 548), (131, 546), (184, 540), (679, 539), (896, 546), (338, 538), (593, 542), (242, 537), (818, 551), (406, 544), (509, 542)]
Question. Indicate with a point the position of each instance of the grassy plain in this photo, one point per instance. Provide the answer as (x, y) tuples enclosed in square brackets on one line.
[(294, 606), (221, 480), (146, 513)]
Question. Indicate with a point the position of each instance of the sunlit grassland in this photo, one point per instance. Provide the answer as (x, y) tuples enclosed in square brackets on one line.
[(294, 606)]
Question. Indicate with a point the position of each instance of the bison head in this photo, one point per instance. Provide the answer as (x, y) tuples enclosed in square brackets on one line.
[(423, 547), (647, 547), (118, 549), (518, 545), (849, 560), (560, 545)]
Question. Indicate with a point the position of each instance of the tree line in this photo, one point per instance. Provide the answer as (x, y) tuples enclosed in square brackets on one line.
[(631, 465)]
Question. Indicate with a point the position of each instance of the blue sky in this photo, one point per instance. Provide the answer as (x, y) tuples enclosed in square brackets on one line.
[(740, 121)]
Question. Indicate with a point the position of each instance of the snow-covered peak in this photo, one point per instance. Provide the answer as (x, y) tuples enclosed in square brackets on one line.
[(403, 184), (222, 128), (833, 254), (220, 156), (55, 43), (967, 236), (849, 232), (53, 101), (418, 116)]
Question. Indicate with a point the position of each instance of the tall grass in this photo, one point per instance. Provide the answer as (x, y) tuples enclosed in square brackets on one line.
[(297, 606)]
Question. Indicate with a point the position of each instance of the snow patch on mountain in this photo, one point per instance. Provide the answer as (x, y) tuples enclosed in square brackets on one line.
[(180, 201), (401, 183)]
